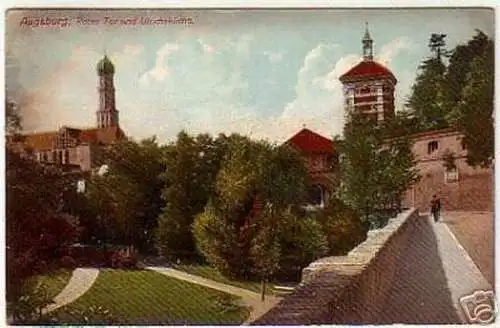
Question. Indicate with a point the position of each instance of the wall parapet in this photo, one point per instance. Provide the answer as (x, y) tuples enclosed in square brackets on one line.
[(347, 289)]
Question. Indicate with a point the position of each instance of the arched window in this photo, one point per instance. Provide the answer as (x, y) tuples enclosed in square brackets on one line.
[(315, 195), (432, 146)]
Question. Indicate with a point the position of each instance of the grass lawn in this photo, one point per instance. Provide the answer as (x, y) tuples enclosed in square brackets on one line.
[(54, 281), (148, 297), (209, 272)]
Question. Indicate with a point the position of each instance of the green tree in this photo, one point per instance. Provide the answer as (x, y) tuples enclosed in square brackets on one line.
[(256, 184), (191, 166), (459, 67), (475, 118), (126, 200), (427, 100), (342, 227), (37, 228), (376, 169), (302, 240)]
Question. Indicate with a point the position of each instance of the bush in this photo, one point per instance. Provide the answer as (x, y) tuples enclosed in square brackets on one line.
[(27, 309), (223, 246), (68, 262), (302, 241), (96, 315), (342, 227), (121, 260)]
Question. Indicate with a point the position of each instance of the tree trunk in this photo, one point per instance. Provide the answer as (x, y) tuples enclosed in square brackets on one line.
[(263, 289)]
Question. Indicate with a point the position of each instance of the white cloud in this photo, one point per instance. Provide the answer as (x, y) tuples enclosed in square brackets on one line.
[(393, 48), (319, 99), (160, 70), (67, 95)]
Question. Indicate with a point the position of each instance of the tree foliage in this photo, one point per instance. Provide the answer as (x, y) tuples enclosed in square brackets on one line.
[(376, 169), (342, 227), (473, 115), (459, 95), (125, 201), (256, 185), (191, 166), (37, 228), (427, 100)]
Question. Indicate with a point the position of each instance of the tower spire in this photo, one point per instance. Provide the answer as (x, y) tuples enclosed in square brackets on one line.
[(107, 115), (367, 45)]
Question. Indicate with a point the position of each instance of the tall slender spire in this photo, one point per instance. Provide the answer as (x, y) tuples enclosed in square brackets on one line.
[(367, 44)]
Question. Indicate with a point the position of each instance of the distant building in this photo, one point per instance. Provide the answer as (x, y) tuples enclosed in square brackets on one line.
[(321, 159), (369, 86), (77, 149), (460, 186)]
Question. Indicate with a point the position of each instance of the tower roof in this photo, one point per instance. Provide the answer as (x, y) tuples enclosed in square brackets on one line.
[(308, 141), (105, 66), (367, 70), (367, 34)]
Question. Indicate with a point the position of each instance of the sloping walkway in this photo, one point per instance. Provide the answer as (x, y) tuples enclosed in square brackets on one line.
[(464, 277), (80, 282), (248, 298), (434, 273)]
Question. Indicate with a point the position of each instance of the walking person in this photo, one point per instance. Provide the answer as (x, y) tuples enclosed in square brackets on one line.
[(435, 208)]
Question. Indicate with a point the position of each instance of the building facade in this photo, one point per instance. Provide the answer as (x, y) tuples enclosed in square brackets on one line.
[(440, 157), (321, 161), (77, 149), (443, 169), (369, 86)]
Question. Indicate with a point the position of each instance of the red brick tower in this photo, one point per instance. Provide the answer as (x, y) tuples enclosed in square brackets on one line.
[(369, 86)]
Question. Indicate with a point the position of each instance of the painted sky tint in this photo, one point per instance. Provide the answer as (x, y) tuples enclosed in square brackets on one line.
[(263, 73)]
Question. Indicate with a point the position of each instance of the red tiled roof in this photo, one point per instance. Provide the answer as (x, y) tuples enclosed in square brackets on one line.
[(45, 140), (365, 70), (310, 142)]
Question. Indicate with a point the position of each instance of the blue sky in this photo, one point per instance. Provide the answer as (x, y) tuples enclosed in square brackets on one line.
[(264, 73)]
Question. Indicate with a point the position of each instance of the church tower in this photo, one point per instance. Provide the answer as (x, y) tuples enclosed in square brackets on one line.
[(107, 115), (369, 86)]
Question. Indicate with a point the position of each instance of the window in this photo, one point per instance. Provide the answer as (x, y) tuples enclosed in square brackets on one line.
[(315, 195), (432, 147), (450, 175), (66, 156)]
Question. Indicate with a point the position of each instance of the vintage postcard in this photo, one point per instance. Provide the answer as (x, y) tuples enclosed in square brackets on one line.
[(249, 166)]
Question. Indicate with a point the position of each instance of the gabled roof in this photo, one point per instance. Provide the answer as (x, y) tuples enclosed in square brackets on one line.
[(367, 69), (308, 141), (45, 140)]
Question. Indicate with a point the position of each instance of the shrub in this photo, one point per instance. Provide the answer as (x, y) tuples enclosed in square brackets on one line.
[(68, 262), (121, 260), (302, 241), (27, 309), (222, 244), (93, 315), (342, 227)]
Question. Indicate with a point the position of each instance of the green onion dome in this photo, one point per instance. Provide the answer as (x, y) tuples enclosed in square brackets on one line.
[(105, 67)]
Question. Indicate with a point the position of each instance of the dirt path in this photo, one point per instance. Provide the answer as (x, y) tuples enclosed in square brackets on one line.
[(81, 281), (248, 298)]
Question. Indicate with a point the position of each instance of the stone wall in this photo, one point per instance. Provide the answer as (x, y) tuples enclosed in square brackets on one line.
[(473, 191), (348, 289)]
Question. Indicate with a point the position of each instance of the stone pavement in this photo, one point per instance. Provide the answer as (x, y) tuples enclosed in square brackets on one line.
[(435, 274), (81, 281), (248, 298), (476, 233)]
